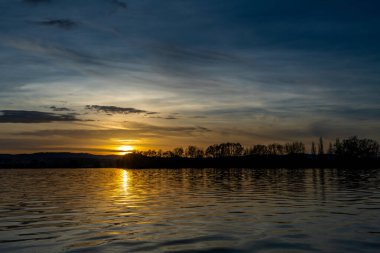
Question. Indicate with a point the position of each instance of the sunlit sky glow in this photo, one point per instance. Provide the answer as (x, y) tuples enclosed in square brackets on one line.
[(109, 76)]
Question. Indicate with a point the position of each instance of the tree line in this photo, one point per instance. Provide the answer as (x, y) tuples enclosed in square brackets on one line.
[(350, 147)]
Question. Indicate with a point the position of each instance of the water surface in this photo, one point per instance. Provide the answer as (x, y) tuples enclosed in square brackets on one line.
[(189, 210)]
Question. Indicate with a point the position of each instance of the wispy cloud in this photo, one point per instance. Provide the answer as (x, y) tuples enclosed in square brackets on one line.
[(131, 129), (109, 109), (59, 23), (51, 49), (164, 129), (60, 109), (170, 117), (19, 116)]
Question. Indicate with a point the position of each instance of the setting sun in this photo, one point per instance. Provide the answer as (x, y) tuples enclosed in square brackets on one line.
[(126, 149)]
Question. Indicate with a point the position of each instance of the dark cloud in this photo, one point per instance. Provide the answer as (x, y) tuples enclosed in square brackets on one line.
[(116, 110), (171, 117), (18, 116), (60, 109), (59, 23)]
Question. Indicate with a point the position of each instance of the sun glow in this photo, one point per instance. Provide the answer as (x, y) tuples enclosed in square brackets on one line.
[(126, 149)]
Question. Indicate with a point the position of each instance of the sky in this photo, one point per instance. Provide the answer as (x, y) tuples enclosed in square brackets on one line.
[(101, 76)]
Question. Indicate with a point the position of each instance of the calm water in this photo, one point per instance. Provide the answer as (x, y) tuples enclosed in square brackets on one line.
[(189, 210)]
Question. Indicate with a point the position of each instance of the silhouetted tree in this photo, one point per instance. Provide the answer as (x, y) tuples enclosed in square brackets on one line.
[(224, 150), (168, 154), (246, 151), (149, 153), (313, 149), (330, 151), (351, 147), (320, 147), (235, 149), (211, 151), (194, 152), (200, 153), (337, 147), (179, 152), (259, 150), (272, 149), (295, 148), (355, 147), (191, 151), (280, 149)]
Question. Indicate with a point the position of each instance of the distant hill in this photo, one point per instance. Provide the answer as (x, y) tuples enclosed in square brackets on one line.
[(58, 160)]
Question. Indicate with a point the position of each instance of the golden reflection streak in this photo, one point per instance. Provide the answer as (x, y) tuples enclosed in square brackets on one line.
[(125, 180)]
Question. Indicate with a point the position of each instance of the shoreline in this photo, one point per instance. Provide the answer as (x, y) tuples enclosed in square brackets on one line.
[(73, 160)]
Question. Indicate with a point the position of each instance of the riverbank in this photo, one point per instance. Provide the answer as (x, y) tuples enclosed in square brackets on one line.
[(83, 160)]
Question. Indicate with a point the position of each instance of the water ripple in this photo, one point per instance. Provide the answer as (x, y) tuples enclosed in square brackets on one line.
[(189, 210)]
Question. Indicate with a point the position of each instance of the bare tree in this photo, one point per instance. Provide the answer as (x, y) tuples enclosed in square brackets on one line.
[(179, 152), (193, 152), (320, 147), (295, 148), (330, 151), (313, 149)]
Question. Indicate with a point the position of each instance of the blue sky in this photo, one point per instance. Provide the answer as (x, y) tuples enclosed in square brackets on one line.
[(95, 75)]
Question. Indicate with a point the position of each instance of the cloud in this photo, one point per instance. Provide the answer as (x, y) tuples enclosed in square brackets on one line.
[(175, 53), (192, 62), (19, 116), (59, 23), (132, 129), (60, 109), (51, 49), (109, 109), (170, 117), (163, 129), (326, 128)]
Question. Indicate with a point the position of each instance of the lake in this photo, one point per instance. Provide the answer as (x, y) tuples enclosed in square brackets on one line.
[(189, 210)]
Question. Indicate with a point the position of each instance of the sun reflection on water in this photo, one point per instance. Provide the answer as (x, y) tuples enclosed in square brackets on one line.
[(125, 180)]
